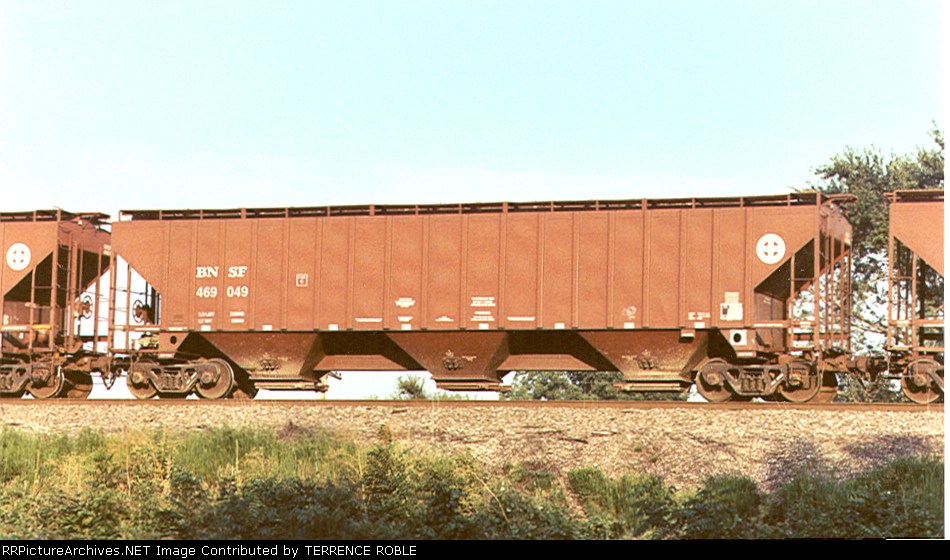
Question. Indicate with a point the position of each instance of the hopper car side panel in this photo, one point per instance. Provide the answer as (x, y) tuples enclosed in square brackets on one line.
[(663, 269), (239, 249), (442, 272), (303, 240)]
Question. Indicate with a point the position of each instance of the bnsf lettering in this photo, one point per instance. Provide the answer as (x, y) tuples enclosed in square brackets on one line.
[(238, 291), (207, 272), (207, 292), (237, 271)]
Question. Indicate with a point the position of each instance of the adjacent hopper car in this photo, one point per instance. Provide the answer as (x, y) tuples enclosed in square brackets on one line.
[(745, 297), (915, 293), (51, 259)]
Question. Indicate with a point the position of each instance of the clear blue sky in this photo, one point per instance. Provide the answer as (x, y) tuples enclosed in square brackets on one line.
[(132, 104)]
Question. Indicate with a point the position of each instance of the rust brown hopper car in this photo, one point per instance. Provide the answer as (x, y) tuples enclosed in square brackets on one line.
[(49, 333), (915, 293), (656, 289)]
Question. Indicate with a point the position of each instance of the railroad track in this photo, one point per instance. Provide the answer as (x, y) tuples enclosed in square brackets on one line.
[(397, 405)]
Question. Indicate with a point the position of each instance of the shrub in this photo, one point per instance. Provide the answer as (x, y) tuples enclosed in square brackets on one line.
[(229, 483), (411, 387), (726, 507), (283, 509), (507, 514), (902, 499), (627, 507)]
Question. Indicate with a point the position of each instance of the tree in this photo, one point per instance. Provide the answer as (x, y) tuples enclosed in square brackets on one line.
[(564, 385), (869, 175), (410, 387), (577, 386)]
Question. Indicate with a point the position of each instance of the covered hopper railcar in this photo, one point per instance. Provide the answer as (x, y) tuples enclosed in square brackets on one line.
[(49, 332), (915, 312), (745, 297)]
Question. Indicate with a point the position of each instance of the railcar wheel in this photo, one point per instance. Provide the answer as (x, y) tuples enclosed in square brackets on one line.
[(918, 383), (45, 382), (78, 385), (802, 383), (138, 382), (711, 381), (217, 383)]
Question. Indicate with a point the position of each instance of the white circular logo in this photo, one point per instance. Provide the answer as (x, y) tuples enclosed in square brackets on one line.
[(770, 248), (18, 256)]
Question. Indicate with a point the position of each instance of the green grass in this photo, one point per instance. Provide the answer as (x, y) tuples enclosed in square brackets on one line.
[(903, 498), (639, 506), (245, 483)]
